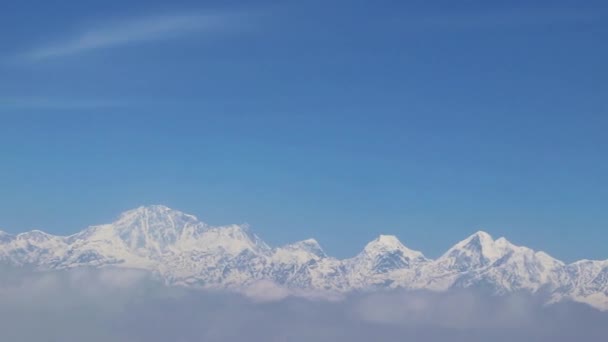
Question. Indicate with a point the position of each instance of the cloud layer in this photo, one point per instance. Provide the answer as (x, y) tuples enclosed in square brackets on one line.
[(119, 305)]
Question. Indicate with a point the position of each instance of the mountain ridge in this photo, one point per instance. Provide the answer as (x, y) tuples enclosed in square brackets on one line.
[(182, 250)]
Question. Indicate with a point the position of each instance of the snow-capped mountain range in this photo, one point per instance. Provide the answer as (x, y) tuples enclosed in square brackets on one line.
[(182, 250)]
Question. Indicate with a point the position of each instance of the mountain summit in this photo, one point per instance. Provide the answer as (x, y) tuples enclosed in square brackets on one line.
[(387, 253), (182, 250), (478, 250)]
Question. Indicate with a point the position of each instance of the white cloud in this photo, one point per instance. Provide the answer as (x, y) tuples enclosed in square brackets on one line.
[(266, 291), (127, 305), (125, 32), (455, 310)]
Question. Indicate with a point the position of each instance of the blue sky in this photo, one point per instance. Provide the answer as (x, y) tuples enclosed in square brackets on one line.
[(338, 120)]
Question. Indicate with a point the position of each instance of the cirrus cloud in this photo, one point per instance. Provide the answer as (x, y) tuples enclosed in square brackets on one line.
[(135, 30)]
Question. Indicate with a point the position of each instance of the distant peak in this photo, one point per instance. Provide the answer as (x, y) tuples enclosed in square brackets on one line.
[(388, 239), (35, 232), (485, 241), (388, 243), (157, 207), (479, 238), (310, 241), (35, 235), (480, 234), (502, 241), (153, 210), (476, 240), (150, 208), (306, 244), (479, 249), (310, 246)]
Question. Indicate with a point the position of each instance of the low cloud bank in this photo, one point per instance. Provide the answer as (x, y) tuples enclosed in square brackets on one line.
[(130, 306)]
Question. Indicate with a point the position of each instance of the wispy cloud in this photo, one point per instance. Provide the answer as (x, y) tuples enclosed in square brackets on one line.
[(119, 33)]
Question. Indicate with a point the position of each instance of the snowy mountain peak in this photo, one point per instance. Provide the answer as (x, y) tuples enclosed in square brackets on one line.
[(36, 236), (154, 212), (502, 240), (155, 227), (389, 243), (307, 243), (384, 242), (478, 240), (480, 237), (383, 255), (309, 246), (478, 250), (300, 252)]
